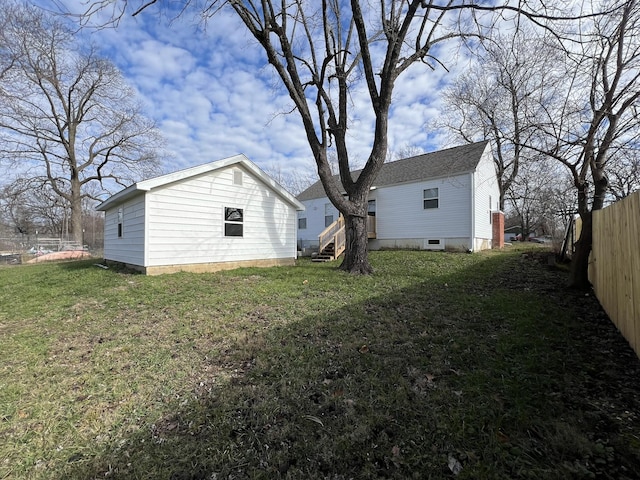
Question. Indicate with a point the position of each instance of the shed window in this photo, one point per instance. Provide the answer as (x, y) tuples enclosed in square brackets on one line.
[(302, 223), (120, 221), (237, 177), (430, 198), (233, 222)]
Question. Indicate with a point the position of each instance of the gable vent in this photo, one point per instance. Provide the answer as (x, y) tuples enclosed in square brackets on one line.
[(237, 177)]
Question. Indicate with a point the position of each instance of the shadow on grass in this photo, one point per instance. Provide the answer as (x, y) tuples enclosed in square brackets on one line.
[(84, 264), (494, 372)]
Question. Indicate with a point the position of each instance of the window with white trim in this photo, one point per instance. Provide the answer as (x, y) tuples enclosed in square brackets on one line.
[(233, 222), (120, 221), (430, 198), (371, 208)]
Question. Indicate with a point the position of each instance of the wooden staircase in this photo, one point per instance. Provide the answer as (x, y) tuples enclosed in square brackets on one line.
[(327, 254), (333, 239), (331, 242)]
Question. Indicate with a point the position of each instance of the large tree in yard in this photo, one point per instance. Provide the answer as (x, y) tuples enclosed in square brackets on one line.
[(323, 51), (596, 120), (67, 118)]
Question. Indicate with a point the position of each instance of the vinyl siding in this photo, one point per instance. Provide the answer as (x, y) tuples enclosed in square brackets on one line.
[(462, 219), (186, 221), (400, 213), (129, 248), (487, 199), (314, 213)]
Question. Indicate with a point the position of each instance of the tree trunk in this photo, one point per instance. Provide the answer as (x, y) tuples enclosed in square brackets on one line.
[(356, 260), (579, 275), (75, 226)]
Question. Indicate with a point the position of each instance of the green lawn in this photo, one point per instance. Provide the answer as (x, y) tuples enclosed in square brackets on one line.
[(437, 366)]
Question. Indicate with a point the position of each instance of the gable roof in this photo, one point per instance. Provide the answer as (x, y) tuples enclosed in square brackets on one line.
[(443, 163), (147, 185)]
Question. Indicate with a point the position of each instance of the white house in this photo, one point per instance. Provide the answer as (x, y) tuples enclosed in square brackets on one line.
[(215, 216), (447, 199)]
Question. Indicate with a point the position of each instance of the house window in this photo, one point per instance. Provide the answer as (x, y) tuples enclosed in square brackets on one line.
[(233, 226), (237, 177), (328, 214), (302, 223), (371, 208), (120, 221), (430, 198)]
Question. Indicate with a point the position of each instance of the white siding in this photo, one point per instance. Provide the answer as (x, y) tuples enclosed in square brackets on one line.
[(402, 220), (400, 212), (487, 199), (129, 248), (462, 219), (314, 213), (186, 221)]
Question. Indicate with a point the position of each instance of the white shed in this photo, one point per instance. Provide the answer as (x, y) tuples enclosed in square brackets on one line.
[(447, 199), (216, 216)]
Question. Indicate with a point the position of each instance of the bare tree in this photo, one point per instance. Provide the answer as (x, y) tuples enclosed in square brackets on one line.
[(67, 117), (29, 206), (323, 50), (580, 109), (624, 172), (501, 97), (405, 151), (533, 196), (598, 114), (295, 182)]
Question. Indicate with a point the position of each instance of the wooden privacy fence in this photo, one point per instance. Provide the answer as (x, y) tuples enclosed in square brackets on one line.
[(614, 270)]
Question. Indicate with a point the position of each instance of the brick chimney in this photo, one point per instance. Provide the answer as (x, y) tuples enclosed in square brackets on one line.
[(497, 222)]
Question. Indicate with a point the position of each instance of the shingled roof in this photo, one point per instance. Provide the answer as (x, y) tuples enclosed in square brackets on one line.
[(443, 163)]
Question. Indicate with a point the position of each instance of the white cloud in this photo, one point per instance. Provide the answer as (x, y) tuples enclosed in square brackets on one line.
[(212, 94), (160, 62)]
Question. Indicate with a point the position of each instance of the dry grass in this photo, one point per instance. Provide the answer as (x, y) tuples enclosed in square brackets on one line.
[(438, 363)]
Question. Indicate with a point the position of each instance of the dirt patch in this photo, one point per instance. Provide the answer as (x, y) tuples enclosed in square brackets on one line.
[(64, 255)]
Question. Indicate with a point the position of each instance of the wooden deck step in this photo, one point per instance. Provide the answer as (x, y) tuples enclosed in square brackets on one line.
[(327, 255)]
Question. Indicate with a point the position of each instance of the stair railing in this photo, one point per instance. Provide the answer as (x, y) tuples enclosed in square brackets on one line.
[(334, 233)]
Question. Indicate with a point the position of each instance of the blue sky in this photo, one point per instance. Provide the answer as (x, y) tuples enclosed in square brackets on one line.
[(213, 95)]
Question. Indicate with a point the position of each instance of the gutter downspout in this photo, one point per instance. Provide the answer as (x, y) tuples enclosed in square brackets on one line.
[(145, 241), (473, 212)]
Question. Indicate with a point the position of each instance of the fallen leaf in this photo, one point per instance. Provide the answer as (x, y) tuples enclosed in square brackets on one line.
[(454, 465), (364, 349), (171, 426), (313, 419)]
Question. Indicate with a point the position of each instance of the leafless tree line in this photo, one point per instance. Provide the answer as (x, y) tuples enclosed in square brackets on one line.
[(556, 82), (70, 127), (561, 108)]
